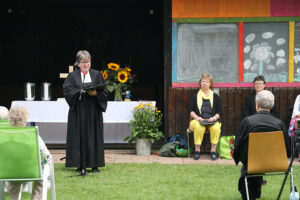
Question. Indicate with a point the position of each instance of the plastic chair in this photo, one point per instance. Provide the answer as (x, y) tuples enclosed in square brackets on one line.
[(19, 147), (276, 163)]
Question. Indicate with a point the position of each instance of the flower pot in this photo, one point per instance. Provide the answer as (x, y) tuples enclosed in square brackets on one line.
[(143, 146)]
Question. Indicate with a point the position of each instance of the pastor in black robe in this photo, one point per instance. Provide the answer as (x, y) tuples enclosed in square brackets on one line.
[(85, 121), (263, 121)]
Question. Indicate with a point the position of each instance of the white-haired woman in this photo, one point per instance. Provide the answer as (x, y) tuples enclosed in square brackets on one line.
[(17, 117), (3, 113)]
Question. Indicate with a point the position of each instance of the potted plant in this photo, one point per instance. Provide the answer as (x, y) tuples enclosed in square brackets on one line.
[(144, 128)]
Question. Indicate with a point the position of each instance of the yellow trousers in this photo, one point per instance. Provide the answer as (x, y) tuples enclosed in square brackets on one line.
[(199, 130)]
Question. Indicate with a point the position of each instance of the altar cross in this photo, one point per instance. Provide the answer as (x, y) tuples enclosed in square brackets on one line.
[(64, 75)]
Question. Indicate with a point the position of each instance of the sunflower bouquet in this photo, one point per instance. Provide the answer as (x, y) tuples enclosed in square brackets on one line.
[(117, 79)]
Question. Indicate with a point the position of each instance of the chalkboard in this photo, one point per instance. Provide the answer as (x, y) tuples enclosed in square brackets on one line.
[(266, 51), (207, 48), (297, 53)]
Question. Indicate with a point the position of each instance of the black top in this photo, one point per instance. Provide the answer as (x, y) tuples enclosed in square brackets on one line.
[(216, 109), (263, 121), (250, 106)]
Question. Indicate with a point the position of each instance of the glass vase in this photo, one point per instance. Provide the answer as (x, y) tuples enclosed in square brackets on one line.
[(118, 94)]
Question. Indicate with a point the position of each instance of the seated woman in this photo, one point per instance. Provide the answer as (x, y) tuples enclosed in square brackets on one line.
[(296, 114), (296, 110), (205, 112), (3, 113), (17, 117), (250, 105)]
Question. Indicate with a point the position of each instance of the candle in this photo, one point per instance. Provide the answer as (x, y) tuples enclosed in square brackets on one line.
[(28, 89), (46, 92)]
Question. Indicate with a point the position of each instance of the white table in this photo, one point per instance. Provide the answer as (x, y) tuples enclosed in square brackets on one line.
[(52, 116)]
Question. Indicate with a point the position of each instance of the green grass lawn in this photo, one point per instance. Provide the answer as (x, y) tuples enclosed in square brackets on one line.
[(160, 181)]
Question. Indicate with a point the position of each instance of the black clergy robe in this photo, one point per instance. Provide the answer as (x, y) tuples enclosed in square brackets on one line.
[(85, 121)]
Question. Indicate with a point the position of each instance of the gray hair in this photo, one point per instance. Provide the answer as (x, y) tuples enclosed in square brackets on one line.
[(18, 116), (81, 55), (265, 99), (3, 113)]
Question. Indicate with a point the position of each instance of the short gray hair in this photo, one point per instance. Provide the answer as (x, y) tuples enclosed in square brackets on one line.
[(81, 55), (265, 99), (17, 116), (3, 113)]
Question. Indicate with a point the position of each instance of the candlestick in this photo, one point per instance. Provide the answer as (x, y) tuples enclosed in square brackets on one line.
[(28, 90), (46, 92)]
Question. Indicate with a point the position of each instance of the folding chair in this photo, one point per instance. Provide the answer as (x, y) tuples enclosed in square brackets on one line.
[(275, 163), (19, 148)]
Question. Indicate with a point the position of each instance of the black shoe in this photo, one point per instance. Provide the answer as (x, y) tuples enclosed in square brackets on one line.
[(95, 170), (83, 172), (197, 155), (213, 156)]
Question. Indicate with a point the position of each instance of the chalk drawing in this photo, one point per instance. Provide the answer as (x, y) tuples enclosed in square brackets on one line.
[(267, 35), (254, 67), (280, 53), (297, 58), (280, 62), (280, 41), (271, 67), (247, 64), (247, 49), (250, 38)]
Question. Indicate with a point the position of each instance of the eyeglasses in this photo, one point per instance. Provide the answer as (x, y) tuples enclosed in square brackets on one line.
[(205, 81), (84, 62), (258, 84)]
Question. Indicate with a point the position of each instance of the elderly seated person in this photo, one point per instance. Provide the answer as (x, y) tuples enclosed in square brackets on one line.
[(205, 112), (262, 121), (17, 117), (296, 114), (3, 113)]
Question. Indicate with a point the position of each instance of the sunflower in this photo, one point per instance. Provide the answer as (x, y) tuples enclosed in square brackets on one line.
[(139, 106), (122, 77), (105, 74), (128, 69), (149, 104), (113, 66)]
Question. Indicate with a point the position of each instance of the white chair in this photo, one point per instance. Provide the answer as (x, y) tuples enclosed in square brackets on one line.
[(19, 147)]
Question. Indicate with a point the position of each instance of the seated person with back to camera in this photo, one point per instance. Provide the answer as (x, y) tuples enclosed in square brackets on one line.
[(205, 112), (263, 121), (17, 117)]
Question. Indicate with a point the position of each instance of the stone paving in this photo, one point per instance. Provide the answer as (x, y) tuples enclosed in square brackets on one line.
[(129, 156)]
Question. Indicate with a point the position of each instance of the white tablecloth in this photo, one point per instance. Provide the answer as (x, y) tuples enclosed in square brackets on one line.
[(54, 111), (51, 118)]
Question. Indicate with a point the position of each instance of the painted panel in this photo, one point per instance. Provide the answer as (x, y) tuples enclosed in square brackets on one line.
[(266, 51), (285, 8), (220, 8)]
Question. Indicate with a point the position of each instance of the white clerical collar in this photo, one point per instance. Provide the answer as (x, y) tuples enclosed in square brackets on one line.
[(87, 78)]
